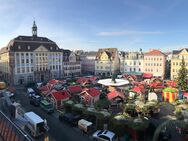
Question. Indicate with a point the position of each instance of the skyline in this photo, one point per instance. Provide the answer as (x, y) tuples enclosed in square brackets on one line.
[(89, 25)]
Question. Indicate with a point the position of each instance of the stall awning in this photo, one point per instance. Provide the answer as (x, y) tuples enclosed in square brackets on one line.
[(147, 75)]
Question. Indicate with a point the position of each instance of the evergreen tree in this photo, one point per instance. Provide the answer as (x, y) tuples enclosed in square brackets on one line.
[(182, 76)]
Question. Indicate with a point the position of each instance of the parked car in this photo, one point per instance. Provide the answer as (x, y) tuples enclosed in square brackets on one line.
[(104, 135), (85, 126), (70, 118), (30, 92), (47, 106), (35, 100)]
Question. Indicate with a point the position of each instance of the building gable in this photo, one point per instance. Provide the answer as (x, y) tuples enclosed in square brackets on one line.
[(183, 52), (41, 48), (72, 57), (104, 56)]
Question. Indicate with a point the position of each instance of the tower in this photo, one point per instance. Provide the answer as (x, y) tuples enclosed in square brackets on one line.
[(34, 29)]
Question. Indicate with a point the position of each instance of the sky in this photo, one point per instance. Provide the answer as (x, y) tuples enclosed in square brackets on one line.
[(92, 24)]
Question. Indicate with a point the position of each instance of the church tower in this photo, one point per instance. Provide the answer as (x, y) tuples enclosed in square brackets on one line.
[(34, 29)]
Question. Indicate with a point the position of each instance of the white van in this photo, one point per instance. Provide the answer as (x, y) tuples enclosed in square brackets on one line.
[(30, 92)]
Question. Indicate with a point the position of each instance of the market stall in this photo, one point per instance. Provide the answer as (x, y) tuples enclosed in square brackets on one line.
[(169, 94)]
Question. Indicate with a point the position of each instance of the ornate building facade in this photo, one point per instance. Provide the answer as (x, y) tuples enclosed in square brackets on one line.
[(30, 58)]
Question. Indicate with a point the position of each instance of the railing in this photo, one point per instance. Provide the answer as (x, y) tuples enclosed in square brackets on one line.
[(10, 131)]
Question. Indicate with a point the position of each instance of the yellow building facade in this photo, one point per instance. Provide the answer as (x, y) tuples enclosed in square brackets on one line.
[(176, 60), (107, 62)]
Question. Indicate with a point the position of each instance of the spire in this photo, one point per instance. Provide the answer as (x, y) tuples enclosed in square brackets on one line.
[(34, 29)]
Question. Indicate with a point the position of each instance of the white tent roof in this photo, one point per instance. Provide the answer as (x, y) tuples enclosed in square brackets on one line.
[(108, 82)]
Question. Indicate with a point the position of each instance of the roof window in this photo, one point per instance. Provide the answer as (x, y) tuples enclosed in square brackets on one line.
[(28, 47), (19, 47), (50, 48)]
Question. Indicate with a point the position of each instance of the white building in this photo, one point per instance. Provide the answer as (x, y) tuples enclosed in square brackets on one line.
[(131, 62)]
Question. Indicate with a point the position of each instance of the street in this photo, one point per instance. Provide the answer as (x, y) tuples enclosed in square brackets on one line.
[(58, 130)]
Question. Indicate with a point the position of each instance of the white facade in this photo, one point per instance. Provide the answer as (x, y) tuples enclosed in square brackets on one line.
[(131, 62)]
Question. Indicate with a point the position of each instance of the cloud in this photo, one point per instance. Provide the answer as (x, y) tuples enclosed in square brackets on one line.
[(122, 33)]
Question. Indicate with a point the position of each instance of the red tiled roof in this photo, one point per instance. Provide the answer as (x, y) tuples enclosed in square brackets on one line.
[(147, 75), (171, 83), (115, 94), (92, 91), (53, 81), (75, 89), (154, 52), (60, 95), (138, 89), (83, 80), (93, 78), (185, 94), (44, 89), (156, 85)]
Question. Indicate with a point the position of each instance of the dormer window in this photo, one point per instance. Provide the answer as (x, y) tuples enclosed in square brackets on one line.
[(50, 48), (28, 47), (19, 47), (56, 48), (20, 38)]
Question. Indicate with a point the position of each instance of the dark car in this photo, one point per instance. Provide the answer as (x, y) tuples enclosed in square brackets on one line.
[(35, 100), (70, 118)]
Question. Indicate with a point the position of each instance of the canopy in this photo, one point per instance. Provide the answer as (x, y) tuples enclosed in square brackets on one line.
[(108, 82), (147, 75)]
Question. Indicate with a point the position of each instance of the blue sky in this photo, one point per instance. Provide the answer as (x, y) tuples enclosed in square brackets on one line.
[(91, 24)]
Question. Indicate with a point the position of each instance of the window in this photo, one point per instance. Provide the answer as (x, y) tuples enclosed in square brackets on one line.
[(19, 47), (31, 69), (174, 63), (27, 69), (31, 60), (18, 70), (26, 54), (139, 69), (27, 60), (22, 61), (23, 70), (134, 69), (173, 70)]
